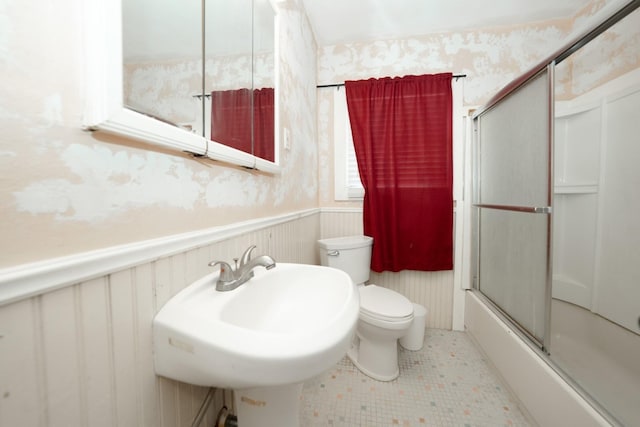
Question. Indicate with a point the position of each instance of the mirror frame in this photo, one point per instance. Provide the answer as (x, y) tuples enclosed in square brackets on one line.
[(104, 108)]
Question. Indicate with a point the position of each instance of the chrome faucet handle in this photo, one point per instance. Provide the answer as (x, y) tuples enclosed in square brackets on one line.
[(246, 256), (229, 279), (226, 272)]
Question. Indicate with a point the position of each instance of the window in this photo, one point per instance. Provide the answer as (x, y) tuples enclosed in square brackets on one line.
[(347, 185)]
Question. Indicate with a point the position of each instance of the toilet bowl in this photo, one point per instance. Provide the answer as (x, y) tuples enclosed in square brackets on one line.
[(385, 315)]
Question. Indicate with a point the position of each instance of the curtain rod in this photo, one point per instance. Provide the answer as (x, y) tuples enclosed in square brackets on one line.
[(455, 76)]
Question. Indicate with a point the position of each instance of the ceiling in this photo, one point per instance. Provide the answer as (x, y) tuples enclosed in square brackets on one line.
[(348, 21)]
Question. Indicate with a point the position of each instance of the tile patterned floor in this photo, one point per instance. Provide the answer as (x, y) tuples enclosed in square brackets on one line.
[(447, 383)]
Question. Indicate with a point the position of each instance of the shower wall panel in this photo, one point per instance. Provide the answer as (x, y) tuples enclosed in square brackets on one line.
[(618, 275)]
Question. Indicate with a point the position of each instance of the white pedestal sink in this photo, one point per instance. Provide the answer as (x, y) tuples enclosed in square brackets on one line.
[(263, 339)]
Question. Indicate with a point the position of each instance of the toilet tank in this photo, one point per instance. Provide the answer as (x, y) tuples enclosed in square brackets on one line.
[(351, 254)]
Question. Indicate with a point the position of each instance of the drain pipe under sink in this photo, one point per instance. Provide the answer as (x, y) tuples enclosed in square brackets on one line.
[(203, 408), (225, 419)]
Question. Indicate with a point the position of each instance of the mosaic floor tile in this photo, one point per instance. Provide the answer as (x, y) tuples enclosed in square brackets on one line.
[(447, 383)]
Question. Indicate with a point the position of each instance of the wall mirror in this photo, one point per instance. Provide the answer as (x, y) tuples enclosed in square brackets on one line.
[(239, 76), (198, 76), (162, 60)]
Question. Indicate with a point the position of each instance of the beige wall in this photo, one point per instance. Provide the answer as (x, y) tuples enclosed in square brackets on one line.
[(64, 191), (490, 57), (610, 55)]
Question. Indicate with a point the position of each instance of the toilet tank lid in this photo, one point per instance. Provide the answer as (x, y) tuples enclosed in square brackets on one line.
[(348, 242)]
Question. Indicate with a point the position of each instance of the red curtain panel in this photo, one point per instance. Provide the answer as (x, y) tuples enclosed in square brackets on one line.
[(231, 115), (263, 118), (231, 118), (402, 134)]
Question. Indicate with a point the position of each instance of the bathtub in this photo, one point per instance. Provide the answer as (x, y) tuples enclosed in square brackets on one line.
[(600, 356), (540, 388)]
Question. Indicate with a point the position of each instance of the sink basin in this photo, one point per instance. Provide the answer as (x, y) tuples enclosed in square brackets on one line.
[(282, 327)]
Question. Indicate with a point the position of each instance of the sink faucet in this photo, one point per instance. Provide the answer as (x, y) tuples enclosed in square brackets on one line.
[(231, 278)]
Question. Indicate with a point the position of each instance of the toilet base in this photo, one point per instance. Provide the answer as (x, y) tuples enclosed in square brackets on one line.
[(377, 361), (352, 354)]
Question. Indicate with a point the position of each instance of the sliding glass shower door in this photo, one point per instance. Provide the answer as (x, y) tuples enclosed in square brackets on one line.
[(565, 135), (512, 202)]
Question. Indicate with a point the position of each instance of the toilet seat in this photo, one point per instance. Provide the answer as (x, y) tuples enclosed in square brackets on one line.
[(378, 304)]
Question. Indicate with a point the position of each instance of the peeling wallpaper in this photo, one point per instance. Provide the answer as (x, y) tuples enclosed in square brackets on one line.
[(104, 183), (164, 89), (65, 191), (610, 55), (490, 58)]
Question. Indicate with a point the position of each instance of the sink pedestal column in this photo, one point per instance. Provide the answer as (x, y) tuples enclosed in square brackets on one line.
[(269, 406)]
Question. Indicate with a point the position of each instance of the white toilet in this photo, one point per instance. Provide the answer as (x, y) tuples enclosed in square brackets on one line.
[(385, 315)]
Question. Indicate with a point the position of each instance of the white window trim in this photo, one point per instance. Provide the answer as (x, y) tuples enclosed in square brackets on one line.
[(343, 148)]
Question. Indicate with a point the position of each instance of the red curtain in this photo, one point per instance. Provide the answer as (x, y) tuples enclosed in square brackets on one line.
[(402, 134), (231, 114), (263, 132), (231, 118)]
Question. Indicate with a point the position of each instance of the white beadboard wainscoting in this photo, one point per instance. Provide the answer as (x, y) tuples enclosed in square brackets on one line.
[(340, 222), (81, 354), (75, 333), (431, 289)]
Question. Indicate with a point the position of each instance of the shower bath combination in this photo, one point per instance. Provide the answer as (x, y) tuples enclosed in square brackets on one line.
[(555, 176)]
